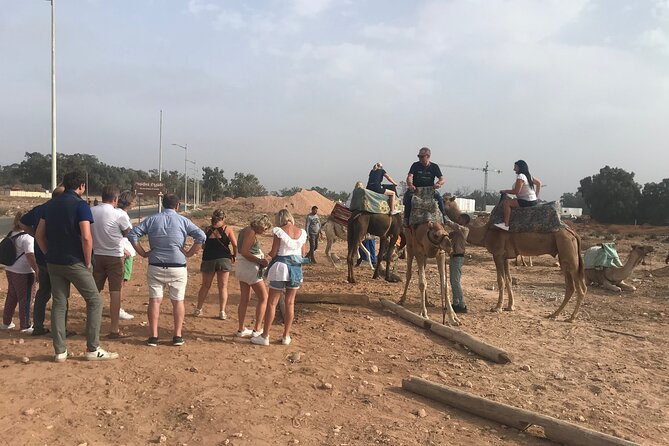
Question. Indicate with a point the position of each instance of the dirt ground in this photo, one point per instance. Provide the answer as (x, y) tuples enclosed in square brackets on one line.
[(608, 371)]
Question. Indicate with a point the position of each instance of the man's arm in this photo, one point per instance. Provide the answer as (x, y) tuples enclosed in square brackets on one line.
[(40, 236), (440, 182), (410, 185), (86, 241), (134, 236)]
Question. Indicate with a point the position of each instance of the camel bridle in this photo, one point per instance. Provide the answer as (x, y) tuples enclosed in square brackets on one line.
[(435, 240)]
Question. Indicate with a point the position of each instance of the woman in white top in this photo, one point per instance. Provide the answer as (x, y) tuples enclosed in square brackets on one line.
[(526, 189), (20, 279), (284, 273)]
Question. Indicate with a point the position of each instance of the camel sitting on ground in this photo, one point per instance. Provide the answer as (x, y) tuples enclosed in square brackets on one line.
[(503, 245), (612, 278), (426, 241)]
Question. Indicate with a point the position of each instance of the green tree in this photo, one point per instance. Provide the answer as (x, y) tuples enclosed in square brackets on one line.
[(330, 194), (612, 195), (214, 183), (289, 191), (246, 185), (654, 203)]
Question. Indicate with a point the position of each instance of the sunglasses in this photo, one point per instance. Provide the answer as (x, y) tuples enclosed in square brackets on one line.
[(423, 156)]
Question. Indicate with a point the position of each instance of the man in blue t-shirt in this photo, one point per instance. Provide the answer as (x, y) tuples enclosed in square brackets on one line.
[(29, 222), (64, 236), (422, 174)]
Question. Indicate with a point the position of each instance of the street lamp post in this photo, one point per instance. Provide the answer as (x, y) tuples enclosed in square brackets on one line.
[(54, 181), (194, 183), (185, 147)]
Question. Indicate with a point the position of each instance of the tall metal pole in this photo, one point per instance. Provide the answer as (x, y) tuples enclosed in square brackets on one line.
[(54, 181), (185, 147), (485, 185), (160, 160)]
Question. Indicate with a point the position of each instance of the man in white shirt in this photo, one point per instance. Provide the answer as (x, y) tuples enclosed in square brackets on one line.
[(110, 226)]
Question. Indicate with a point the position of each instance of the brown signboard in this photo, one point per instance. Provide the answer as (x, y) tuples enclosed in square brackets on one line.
[(149, 188)]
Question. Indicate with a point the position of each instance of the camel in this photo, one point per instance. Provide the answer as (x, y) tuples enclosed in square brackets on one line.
[(430, 240), (503, 245), (386, 227), (334, 231), (612, 278)]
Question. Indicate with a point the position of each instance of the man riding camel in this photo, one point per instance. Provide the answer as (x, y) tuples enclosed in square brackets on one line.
[(422, 174)]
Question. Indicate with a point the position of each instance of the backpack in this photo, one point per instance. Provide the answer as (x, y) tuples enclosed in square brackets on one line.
[(8, 249)]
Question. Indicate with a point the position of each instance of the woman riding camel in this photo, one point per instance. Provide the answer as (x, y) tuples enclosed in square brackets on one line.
[(376, 176), (526, 189)]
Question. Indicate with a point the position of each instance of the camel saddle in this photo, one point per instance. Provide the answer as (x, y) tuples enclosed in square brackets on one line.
[(543, 217), (372, 202), (340, 214), (601, 256), (424, 207)]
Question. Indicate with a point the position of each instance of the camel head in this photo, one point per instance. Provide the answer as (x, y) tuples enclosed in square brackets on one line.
[(438, 237), (452, 208), (641, 251)]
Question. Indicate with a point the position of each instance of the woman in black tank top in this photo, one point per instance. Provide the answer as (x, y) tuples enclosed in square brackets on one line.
[(220, 251)]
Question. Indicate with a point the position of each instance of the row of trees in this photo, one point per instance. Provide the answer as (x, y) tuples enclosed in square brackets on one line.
[(35, 170)]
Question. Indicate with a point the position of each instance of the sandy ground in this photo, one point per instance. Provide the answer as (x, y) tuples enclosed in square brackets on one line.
[(345, 387)]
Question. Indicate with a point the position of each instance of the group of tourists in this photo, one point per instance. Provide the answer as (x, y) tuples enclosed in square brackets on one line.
[(66, 242)]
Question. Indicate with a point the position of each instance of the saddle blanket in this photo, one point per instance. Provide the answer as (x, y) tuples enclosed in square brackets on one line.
[(372, 202), (603, 255), (424, 207), (540, 218), (340, 214)]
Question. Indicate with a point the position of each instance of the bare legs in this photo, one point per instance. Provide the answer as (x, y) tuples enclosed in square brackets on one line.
[(392, 196), (508, 205), (178, 311), (245, 295), (207, 279), (274, 296)]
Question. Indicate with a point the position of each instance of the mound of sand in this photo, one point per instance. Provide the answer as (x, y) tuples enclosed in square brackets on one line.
[(299, 204)]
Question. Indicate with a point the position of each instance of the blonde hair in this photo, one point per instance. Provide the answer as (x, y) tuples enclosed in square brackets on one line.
[(283, 217), (377, 166), (17, 220), (359, 185), (260, 222)]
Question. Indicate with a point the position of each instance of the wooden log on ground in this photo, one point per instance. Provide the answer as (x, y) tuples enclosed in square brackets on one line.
[(332, 298), (406, 314), (476, 345), (554, 429)]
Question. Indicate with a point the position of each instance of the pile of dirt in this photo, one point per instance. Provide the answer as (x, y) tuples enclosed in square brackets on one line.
[(298, 204)]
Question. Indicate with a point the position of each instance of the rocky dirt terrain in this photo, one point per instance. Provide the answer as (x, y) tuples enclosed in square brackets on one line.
[(339, 382)]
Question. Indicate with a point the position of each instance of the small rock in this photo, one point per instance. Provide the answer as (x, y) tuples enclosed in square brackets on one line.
[(199, 339), (374, 369), (421, 413), (580, 418), (193, 369), (25, 360), (525, 368), (83, 444), (21, 341), (469, 384), (442, 374), (558, 375), (190, 417), (295, 441), (295, 357), (108, 412), (29, 412), (162, 438), (337, 429), (325, 386), (238, 435)]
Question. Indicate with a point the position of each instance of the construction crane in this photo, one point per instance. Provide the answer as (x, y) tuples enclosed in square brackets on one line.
[(485, 171)]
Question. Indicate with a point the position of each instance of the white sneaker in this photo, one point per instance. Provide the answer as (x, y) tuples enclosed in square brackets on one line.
[(502, 226), (256, 333), (223, 316), (61, 357), (28, 330), (7, 327), (245, 333), (286, 340), (101, 355), (122, 314), (259, 340), (198, 312)]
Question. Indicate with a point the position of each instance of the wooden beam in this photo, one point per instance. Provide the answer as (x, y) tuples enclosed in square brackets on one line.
[(476, 345), (554, 429), (332, 298)]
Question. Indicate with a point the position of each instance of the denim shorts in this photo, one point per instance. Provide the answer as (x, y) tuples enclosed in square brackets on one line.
[(284, 285)]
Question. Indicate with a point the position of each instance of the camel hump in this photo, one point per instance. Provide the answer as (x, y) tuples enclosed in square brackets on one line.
[(370, 201), (424, 207), (544, 217), (602, 256)]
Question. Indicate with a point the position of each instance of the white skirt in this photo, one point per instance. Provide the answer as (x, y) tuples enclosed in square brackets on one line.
[(246, 271)]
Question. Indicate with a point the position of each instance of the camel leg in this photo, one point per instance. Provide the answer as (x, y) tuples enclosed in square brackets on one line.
[(382, 246), (422, 286), (499, 268), (328, 250), (447, 307), (388, 254), (626, 287), (569, 287), (610, 286), (581, 289), (509, 288), (410, 257)]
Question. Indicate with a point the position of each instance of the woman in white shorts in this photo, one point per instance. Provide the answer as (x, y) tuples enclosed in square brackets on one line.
[(248, 271), (284, 273)]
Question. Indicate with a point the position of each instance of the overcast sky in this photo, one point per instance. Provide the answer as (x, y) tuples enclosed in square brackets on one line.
[(314, 92)]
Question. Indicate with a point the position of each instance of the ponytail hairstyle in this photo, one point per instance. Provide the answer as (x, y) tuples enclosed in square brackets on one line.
[(377, 166), (217, 216), (522, 168)]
